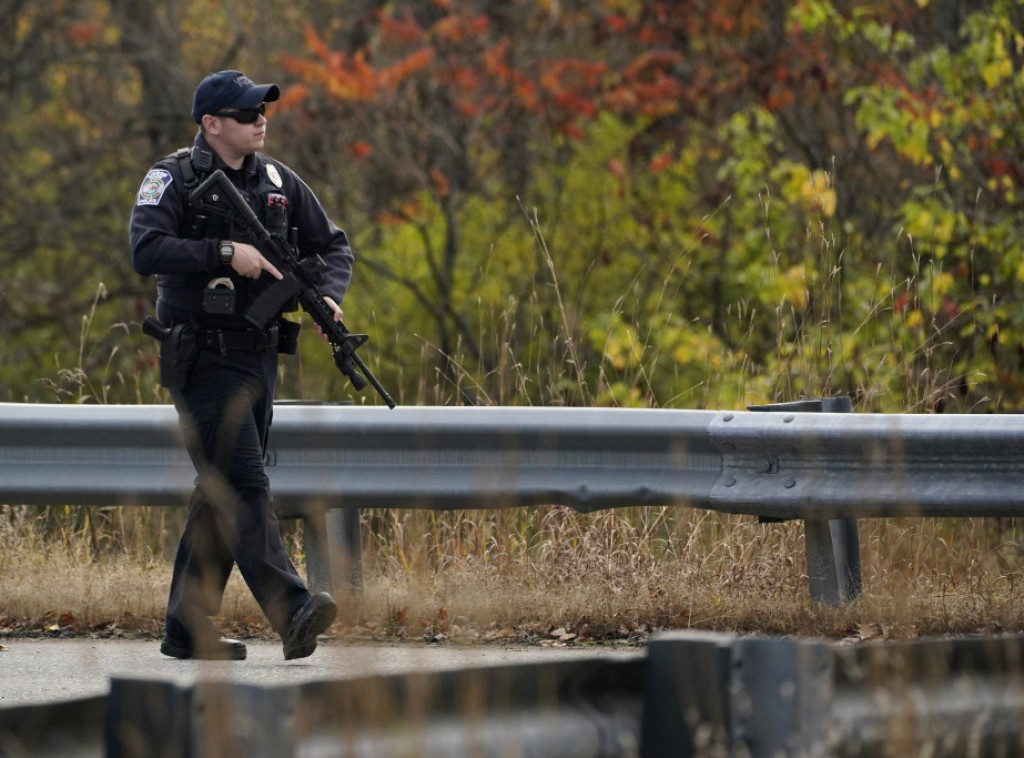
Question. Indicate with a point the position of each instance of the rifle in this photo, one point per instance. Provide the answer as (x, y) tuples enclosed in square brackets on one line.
[(302, 279)]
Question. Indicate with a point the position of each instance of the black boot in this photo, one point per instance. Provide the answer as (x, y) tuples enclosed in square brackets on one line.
[(310, 620), (213, 649)]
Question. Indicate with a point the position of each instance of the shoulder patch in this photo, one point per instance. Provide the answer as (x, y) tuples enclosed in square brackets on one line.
[(153, 187)]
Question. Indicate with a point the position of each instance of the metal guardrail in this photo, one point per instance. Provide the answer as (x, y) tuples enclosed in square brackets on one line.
[(327, 461), (372, 457), (716, 694), (587, 708), (68, 729), (689, 694)]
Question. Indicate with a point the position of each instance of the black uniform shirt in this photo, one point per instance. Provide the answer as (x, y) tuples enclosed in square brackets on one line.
[(162, 227)]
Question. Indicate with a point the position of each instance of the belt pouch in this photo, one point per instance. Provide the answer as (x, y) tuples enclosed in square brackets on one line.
[(219, 297), (288, 337)]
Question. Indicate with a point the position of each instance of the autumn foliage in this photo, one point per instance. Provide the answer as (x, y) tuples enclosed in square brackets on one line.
[(696, 203)]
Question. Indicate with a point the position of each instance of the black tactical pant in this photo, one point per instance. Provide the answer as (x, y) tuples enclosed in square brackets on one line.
[(225, 410)]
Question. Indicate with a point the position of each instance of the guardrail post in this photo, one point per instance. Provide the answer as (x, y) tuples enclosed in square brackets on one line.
[(146, 719), (833, 560), (331, 537), (781, 696), (832, 545), (345, 539), (316, 542), (710, 694), (686, 695)]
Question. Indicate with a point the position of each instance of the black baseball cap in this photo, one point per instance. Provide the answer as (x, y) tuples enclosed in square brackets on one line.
[(230, 89)]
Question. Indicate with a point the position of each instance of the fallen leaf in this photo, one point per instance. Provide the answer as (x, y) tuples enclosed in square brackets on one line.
[(504, 634)]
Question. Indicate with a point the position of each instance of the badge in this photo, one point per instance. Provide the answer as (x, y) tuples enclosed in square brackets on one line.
[(153, 187), (273, 176)]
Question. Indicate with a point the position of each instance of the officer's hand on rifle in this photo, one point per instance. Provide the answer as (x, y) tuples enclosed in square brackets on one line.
[(249, 262), (338, 316)]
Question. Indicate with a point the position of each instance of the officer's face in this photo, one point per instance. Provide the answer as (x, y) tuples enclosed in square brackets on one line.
[(233, 139), (243, 138)]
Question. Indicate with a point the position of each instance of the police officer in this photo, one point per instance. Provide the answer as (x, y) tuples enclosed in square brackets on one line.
[(221, 371)]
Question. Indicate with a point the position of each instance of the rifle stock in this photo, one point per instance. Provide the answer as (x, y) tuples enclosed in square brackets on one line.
[(301, 278)]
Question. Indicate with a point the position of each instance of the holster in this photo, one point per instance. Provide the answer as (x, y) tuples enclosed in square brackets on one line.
[(178, 351), (177, 357)]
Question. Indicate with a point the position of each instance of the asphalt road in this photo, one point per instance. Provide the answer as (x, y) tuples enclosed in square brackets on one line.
[(34, 671)]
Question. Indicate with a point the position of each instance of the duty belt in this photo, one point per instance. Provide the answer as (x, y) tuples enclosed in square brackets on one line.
[(244, 340)]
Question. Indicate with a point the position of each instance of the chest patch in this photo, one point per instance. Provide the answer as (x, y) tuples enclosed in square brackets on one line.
[(153, 187), (273, 175)]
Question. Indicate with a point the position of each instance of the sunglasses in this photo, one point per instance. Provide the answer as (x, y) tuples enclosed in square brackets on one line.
[(246, 115)]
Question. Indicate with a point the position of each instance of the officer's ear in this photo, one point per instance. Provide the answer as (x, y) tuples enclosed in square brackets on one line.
[(211, 124)]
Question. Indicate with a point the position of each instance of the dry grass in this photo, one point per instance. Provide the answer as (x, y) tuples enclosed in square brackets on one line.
[(624, 573), (549, 574)]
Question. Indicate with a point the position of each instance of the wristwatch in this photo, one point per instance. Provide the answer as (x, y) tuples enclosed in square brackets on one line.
[(227, 251)]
